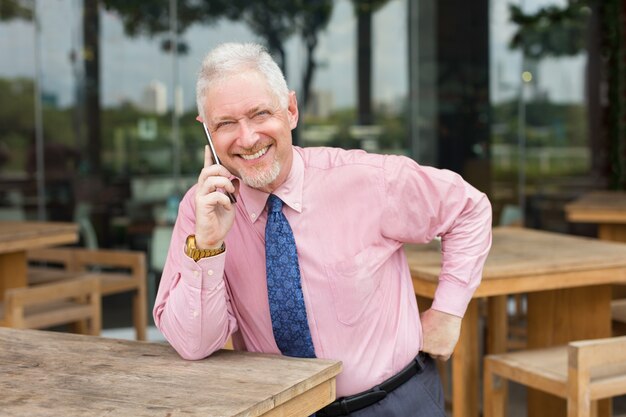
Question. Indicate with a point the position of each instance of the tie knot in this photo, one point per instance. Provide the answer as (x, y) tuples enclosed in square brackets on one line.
[(274, 204)]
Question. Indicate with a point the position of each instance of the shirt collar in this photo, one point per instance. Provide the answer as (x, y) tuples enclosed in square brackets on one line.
[(290, 191)]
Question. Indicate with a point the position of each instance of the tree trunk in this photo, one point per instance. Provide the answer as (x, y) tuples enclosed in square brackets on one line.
[(364, 65), (311, 65), (91, 29)]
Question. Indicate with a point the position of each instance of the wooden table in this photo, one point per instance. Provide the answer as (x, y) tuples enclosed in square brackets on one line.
[(17, 237), (568, 284), (606, 208), (61, 374)]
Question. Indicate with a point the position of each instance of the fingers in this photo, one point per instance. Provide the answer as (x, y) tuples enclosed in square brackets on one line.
[(217, 176), (213, 199), (208, 156), (214, 179)]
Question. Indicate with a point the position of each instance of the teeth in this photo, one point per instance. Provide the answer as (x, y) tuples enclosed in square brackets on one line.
[(255, 155)]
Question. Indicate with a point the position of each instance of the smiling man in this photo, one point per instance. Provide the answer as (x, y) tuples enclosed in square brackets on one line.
[(309, 261)]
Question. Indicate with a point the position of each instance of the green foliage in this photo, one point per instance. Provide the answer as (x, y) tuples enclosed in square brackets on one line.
[(552, 30), (274, 21), (17, 124), (547, 124), (15, 9), (152, 17), (368, 6)]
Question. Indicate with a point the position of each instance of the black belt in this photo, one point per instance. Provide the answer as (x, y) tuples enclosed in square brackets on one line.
[(346, 405)]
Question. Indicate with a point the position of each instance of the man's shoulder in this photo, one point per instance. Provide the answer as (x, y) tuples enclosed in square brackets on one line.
[(329, 157)]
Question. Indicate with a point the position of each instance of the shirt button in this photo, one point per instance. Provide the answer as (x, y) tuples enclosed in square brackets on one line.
[(209, 272), (296, 205), (253, 216), (195, 274), (195, 313)]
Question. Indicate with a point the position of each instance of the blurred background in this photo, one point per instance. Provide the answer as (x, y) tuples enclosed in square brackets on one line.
[(525, 98)]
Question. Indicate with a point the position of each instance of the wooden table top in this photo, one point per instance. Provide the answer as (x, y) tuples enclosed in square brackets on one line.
[(598, 207), (523, 260), (19, 236), (60, 374)]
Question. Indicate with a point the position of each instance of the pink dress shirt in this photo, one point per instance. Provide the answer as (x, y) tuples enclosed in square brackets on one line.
[(350, 212)]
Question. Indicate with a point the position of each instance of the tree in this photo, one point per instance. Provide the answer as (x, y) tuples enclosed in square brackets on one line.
[(16, 9), (552, 30), (274, 21), (311, 22), (596, 27), (364, 9)]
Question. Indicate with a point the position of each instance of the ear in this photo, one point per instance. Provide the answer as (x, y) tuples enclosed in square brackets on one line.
[(292, 110)]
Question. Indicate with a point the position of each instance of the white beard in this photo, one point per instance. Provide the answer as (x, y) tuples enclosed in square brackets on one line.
[(263, 177)]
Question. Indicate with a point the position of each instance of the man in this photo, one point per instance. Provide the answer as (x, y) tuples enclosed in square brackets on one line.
[(350, 213)]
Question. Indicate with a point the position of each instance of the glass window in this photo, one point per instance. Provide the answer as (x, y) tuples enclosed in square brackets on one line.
[(540, 132)]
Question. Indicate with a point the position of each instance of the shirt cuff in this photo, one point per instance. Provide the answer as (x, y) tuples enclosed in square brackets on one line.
[(452, 298), (205, 274)]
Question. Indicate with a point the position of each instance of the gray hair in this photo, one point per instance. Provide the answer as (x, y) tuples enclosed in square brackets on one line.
[(230, 59)]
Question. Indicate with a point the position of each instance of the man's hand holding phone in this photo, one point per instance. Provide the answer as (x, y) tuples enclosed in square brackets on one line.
[(215, 213)]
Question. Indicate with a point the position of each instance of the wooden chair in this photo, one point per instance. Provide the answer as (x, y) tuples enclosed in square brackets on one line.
[(618, 316), (119, 271), (581, 372), (48, 305)]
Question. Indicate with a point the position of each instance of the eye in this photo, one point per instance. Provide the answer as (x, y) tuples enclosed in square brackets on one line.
[(262, 113), (222, 124)]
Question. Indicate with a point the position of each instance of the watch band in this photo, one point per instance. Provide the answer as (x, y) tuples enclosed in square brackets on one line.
[(196, 254)]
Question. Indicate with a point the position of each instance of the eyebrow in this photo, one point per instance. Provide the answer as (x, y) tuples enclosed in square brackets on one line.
[(249, 112)]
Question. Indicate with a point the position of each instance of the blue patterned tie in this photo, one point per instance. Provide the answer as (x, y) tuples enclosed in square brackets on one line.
[(289, 322)]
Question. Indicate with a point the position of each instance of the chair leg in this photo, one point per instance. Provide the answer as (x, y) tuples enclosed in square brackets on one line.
[(494, 393), (140, 313), (80, 327)]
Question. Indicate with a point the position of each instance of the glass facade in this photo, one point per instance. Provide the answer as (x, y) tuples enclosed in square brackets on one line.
[(97, 99)]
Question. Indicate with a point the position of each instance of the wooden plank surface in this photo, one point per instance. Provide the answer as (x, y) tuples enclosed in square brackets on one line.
[(59, 374), (598, 207), (528, 260), (20, 236), (17, 237), (567, 279)]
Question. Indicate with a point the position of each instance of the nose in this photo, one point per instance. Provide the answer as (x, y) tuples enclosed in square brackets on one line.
[(247, 134)]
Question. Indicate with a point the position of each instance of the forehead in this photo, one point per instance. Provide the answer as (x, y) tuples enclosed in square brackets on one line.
[(238, 94)]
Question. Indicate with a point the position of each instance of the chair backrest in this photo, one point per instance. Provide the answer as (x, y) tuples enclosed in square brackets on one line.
[(59, 257), (86, 260), (600, 360), (54, 304)]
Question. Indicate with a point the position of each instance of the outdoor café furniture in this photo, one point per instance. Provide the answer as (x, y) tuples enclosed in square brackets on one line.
[(119, 271), (60, 374), (63, 302), (568, 281), (605, 208), (581, 373), (16, 237)]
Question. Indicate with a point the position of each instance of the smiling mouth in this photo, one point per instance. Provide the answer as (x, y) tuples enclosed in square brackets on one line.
[(258, 154)]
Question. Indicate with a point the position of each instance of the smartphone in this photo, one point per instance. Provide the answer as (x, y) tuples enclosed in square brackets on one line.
[(231, 196)]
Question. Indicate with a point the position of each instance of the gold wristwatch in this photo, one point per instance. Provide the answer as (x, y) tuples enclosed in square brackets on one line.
[(196, 254)]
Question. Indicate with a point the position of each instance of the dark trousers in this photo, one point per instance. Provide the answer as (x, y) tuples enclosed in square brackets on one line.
[(420, 396)]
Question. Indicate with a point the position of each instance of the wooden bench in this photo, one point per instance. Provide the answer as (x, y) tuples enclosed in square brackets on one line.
[(119, 271), (55, 304), (581, 372), (618, 316)]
